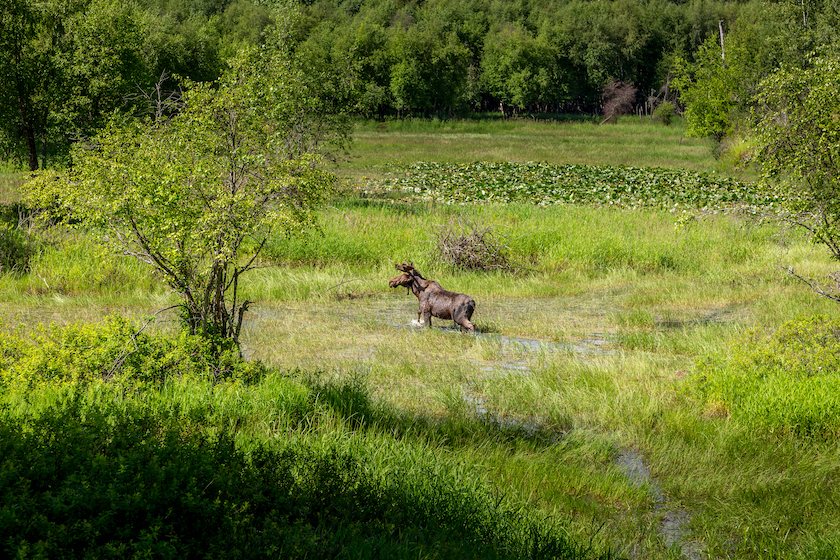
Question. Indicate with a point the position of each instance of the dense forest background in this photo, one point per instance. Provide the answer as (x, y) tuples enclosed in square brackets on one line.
[(66, 66)]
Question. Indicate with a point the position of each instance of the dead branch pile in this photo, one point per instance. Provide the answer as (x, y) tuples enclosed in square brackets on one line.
[(471, 247), (617, 99)]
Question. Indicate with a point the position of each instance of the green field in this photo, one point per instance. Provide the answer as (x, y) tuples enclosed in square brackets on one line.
[(636, 386), (631, 141)]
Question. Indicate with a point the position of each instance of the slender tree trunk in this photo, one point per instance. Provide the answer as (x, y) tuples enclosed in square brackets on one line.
[(31, 146)]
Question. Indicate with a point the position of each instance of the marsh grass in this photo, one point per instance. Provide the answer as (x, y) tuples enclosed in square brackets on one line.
[(586, 355)]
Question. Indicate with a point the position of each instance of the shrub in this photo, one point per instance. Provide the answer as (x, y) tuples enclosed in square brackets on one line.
[(665, 113), (471, 247), (785, 381), (617, 99), (116, 350)]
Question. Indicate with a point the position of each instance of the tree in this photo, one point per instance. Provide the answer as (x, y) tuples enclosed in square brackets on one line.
[(797, 129), (430, 69), (63, 67), (100, 65), (709, 90), (197, 195), (26, 74), (518, 70)]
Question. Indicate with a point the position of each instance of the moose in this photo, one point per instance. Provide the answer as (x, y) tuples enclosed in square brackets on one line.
[(433, 300)]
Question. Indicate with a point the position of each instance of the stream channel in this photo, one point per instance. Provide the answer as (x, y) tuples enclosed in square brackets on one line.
[(630, 461)]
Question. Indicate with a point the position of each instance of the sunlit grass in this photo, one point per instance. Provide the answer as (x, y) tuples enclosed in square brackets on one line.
[(630, 142)]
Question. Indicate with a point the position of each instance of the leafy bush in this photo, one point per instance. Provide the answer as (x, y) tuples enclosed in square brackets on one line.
[(117, 350), (784, 381), (665, 113)]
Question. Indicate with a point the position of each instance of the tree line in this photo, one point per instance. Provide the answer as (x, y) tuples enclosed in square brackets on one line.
[(448, 57), (67, 65)]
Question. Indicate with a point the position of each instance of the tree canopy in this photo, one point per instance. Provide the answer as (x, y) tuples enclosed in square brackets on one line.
[(66, 66)]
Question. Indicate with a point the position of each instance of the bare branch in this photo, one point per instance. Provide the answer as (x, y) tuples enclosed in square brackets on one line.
[(160, 102), (815, 287)]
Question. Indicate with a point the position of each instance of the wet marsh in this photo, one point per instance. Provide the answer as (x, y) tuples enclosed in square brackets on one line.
[(574, 399)]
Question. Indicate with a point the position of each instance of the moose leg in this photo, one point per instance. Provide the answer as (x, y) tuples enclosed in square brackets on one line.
[(418, 322), (462, 317), (467, 326), (425, 309)]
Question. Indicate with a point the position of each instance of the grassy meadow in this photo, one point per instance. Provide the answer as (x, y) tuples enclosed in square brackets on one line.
[(643, 383)]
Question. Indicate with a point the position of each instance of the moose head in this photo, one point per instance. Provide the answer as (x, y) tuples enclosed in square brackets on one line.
[(406, 279)]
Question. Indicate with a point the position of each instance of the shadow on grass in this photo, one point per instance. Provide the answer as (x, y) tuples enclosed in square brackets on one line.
[(392, 202), (464, 425), (100, 480)]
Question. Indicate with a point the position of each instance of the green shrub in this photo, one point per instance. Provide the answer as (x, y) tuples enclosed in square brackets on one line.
[(16, 249), (117, 350), (665, 113), (783, 381)]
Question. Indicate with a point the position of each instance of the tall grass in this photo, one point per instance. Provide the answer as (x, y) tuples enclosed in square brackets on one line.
[(374, 235)]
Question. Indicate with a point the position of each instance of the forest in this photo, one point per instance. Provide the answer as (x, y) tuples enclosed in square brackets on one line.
[(68, 65)]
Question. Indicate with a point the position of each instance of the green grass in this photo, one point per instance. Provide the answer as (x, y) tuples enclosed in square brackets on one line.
[(589, 358), (633, 141), (10, 182)]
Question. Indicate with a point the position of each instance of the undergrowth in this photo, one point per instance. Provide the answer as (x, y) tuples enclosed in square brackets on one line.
[(118, 351), (188, 465), (783, 380)]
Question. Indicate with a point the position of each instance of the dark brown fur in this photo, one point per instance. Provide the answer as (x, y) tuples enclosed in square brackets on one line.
[(433, 300)]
